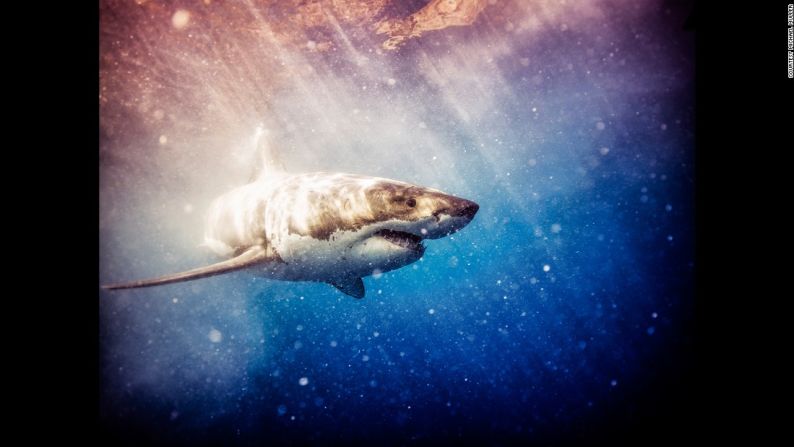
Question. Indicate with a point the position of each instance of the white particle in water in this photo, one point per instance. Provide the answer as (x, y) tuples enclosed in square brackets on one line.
[(614, 382), (546, 268), (163, 139), (303, 381), (556, 228), (215, 335), (604, 150), (600, 125), (333, 343), (180, 19)]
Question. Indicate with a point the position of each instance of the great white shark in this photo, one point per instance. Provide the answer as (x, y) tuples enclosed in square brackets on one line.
[(327, 227)]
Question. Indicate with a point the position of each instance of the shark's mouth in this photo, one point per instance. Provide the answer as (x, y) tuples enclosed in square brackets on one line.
[(402, 239)]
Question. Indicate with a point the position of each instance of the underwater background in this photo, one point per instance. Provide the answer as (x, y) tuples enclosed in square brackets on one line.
[(551, 317)]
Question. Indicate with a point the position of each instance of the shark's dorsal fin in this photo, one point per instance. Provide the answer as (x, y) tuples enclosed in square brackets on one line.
[(350, 286), (267, 161), (253, 255)]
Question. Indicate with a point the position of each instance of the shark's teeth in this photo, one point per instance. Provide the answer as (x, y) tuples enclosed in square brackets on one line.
[(401, 238)]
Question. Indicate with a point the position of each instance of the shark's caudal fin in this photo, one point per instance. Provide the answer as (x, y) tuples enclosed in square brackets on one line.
[(350, 286), (267, 160), (248, 258)]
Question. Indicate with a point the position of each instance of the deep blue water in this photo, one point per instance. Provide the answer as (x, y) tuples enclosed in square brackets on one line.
[(556, 311)]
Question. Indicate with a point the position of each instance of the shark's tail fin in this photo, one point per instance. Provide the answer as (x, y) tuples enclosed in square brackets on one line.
[(252, 256), (267, 160)]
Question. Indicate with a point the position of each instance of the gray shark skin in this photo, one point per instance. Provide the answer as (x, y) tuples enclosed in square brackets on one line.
[(326, 227)]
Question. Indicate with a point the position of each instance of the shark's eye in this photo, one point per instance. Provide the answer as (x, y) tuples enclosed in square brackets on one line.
[(411, 202)]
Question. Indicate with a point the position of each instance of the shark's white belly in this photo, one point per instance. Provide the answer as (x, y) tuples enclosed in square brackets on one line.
[(318, 261), (345, 254)]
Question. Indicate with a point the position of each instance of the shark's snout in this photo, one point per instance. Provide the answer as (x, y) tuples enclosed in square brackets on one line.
[(454, 214), (458, 208), (466, 208)]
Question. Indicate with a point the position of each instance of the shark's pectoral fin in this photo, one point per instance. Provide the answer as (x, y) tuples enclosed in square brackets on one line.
[(253, 255), (350, 286)]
